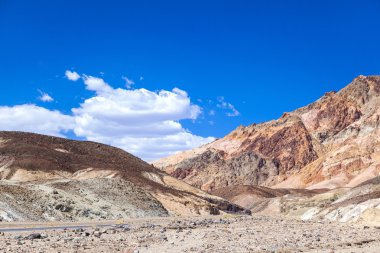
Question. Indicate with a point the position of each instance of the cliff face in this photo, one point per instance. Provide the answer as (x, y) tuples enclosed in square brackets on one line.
[(333, 142)]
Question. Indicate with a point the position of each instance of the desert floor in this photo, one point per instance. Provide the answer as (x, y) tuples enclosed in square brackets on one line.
[(196, 234)]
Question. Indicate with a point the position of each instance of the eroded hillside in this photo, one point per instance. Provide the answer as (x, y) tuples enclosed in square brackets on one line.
[(50, 178), (333, 142), (328, 150)]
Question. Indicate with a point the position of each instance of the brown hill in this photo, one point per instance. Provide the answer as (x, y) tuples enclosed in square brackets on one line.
[(333, 142), (50, 178)]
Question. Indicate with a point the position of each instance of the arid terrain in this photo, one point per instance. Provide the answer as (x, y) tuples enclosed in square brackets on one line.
[(331, 143), (203, 234), (45, 178), (307, 182), (320, 161)]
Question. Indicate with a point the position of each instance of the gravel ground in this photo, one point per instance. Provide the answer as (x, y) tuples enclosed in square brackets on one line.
[(200, 234)]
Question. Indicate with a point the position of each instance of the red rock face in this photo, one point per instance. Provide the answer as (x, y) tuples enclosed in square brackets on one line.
[(330, 143), (334, 113), (290, 147)]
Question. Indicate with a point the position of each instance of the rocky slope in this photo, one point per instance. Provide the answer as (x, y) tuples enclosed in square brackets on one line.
[(333, 142), (49, 178), (318, 162)]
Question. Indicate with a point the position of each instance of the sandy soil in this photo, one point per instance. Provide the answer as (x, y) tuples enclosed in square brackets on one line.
[(198, 234)]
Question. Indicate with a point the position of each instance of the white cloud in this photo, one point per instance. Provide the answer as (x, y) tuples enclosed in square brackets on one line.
[(128, 82), (96, 84), (233, 112), (211, 112), (227, 106), (72, 75), (32, 118), (142, 122), (45, 97), (154, 147)]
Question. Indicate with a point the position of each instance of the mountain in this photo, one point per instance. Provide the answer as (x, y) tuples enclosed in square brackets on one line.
[(46, 178), (331, 143)]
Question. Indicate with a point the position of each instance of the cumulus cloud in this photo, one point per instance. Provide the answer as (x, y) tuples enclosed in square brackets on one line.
[(151, 147), (45, 97), (232, 112), (72, 75), (128, 82), (32, 118), (143, 122)]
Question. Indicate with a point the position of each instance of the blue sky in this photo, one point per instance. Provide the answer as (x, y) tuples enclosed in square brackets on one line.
[(260, 57)]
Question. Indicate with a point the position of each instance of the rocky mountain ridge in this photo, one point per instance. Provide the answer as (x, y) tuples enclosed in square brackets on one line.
[(333, 142), (321, 161)]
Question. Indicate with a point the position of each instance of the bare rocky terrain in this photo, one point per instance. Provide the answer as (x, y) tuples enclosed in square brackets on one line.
[(318, 162), (356, 204), (45, 178), (201, 234), (311, 181), (331, 143)]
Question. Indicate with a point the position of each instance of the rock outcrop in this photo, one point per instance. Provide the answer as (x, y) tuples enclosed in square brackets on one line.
[(333, 142)]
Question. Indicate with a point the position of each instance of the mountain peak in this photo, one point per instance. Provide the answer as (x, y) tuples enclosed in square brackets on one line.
[(329, 143)]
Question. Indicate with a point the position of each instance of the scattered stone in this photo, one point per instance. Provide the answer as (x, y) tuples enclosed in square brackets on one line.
[(34, 236), (97, 233), (63, 208)]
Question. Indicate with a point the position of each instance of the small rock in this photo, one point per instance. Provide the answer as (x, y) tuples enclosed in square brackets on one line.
[(79, 230), (97, 233), (34, 236), (63, 208)]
